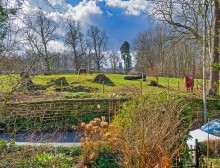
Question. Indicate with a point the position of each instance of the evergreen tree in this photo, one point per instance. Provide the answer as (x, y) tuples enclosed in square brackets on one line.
[(4, 16), (125, 53)]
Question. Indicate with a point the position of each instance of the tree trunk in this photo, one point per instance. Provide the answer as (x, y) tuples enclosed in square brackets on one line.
[(214, 75), (98, 67), (47, 64), (76, 61)]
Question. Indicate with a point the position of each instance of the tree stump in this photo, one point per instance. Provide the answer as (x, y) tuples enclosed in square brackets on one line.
[(27, 84)]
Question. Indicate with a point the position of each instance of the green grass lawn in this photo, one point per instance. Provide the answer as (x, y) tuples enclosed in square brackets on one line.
[(174, 85), (119, 82)]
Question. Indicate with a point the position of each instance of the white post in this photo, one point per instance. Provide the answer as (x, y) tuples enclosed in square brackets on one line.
[(204, 61)]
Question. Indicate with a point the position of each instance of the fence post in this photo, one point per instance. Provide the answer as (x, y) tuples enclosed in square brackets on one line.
[(141, 87), (157, 78), (103, 87), (210, 164), (208, 147), (197, 153), (61, 89), (178, 87), (109, 114)]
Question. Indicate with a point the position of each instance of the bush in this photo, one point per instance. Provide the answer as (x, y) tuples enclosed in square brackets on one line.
[(96, 149), (214, 148), (49, 160), (106, 158), (152, 130), (41, 156)]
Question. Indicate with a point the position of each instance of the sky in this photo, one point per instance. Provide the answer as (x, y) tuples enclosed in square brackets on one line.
[(122, 20)]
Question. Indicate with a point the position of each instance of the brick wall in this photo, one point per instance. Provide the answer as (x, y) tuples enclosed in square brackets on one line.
[(54, 110)]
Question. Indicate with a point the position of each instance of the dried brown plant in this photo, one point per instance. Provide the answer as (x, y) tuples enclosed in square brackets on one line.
[(96, 135), (150, 132)]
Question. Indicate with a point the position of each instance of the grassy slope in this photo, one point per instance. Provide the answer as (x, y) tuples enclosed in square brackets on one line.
[(6, 82)]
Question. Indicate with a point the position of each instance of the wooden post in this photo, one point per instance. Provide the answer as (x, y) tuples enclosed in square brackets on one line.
[(208, 147), (61, 89), (103, 87), (157, 78), (178, 87), (141, 87), (109, 115), (197, 153)]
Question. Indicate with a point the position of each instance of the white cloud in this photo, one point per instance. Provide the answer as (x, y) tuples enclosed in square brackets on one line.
[(56, 2), (83, 11), (132, 7), (57, 46)]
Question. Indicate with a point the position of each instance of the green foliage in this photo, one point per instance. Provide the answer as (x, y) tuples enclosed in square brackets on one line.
[(28, 124), (76, 88), (71, 151), (41, 156), (48, 160), (125, 52), (125, 49), (4, 15), (85, 95), (106, 159), (216, 66)]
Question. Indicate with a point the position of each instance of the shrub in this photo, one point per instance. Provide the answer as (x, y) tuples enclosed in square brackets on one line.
[(40, 156), (96, 149), (152, 130), (214, 148), (106, 158), (48, 160)]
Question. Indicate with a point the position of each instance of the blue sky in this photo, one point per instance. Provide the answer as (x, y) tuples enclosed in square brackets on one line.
[(122, 20), (121, 28), (118, 25)]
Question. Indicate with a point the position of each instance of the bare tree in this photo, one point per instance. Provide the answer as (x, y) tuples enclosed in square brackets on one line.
[(40, 32), (143, 44), (214, 75), (160, 52), (74, 38), (98, 40), (186, 18), (114, 60)]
